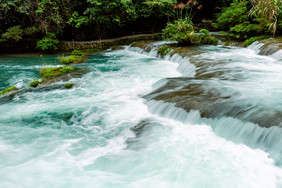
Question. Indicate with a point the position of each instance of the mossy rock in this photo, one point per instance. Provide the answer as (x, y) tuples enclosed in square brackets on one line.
[(34, 83), (8, 90), (251, 40), (69, 85), (53, 72), (164, 50)]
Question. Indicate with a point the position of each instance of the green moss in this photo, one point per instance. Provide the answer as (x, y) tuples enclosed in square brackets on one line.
[(163, 50), (8, 90), (69, 85), (52, 72), (69, 60), (208, 40), (34, 83), (251, 40), (77, 53)]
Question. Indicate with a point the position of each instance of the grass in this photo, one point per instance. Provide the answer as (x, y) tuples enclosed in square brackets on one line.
[(8, 90), (52, 72)]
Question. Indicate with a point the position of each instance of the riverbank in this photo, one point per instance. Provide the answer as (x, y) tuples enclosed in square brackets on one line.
[(29, 45)]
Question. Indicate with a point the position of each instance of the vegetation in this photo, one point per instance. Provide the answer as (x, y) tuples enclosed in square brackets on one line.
[(77, 53), (243, 22), (34, 83), (251, 40), (69, 85), (164, 50), (51, 21), (10, 89), (52, 72), (69, 60), (49, 42)]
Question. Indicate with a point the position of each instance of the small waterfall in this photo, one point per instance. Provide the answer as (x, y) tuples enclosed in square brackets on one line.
[(267, 49), (250, 134), (185, 67)]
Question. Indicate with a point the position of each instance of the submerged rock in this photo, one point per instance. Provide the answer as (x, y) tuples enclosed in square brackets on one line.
[(194, 94)]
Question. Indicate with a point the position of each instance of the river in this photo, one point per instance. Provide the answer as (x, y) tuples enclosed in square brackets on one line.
[(120, 126)]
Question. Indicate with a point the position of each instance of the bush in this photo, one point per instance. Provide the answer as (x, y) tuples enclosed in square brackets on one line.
[(69, 60), (13, 88), (235, 14), (205, 31), (49, 42), (180, 30), (77, 52), (164, 50), (34, 83), (52, 72), (13, 34), (69, 85)]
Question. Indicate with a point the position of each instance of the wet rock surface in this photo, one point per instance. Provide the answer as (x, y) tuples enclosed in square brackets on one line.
[(194, 94)]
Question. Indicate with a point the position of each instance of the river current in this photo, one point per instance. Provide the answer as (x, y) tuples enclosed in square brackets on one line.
[(105, 133)]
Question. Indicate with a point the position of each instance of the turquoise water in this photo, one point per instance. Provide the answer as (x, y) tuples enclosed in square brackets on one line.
[(101, 133)]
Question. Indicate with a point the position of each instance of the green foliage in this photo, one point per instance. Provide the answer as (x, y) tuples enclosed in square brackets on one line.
[(205, 31), (69, 60), (235, 14), (243, 30), (29, 31), (49, 42), (77, 52), (8, 90), (69, 85), (34, 83), (267, 13), (180, 30), (52, 72), (76, 20), (164, 50), (14, 33), (183, 32), (251, 40)]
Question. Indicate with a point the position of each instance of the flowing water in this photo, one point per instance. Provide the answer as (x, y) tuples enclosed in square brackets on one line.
[(103, 133)]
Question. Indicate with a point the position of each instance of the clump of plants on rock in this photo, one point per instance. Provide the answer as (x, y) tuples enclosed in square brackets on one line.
[(164, 50), (34, 83), (69, 85), (8, 90), (182, 29), (52, 72)]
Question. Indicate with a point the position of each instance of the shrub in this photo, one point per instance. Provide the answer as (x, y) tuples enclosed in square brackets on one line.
[(49, 42), (13, 88), (235, 14), (69, 85), (180, 30), (34, 83), (267, 12), (205, 31), (14, 33), (52, 72), (69, 60), (77, 52), (164, 50), (244, 30)]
